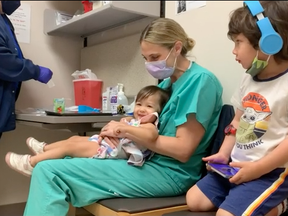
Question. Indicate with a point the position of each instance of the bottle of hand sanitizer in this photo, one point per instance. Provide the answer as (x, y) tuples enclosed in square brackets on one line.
[(122, 99)]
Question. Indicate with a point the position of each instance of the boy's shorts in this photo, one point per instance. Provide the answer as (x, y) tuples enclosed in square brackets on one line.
[(256, 197)]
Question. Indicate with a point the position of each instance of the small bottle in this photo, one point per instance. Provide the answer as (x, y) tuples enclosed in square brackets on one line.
[(106, 108), (114, 100), (122, 99)]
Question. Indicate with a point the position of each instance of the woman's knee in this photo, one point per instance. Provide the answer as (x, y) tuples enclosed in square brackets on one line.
[(44, 167), (197, 201)]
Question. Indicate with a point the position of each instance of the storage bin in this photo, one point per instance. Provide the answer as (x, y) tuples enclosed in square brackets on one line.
[(88, 92)]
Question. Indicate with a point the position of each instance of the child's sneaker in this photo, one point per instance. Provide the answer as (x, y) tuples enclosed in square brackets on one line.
[(35, 146), (19, 163), (282, 207)]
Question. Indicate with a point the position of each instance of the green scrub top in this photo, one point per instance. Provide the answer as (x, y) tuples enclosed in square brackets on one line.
[(198, 92)]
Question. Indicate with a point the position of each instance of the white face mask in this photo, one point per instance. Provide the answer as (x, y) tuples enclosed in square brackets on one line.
[(159, 69)]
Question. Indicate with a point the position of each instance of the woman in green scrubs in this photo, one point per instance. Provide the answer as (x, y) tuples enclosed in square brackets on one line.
[(187, 124)]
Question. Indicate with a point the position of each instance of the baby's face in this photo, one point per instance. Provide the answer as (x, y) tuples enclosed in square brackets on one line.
[(146, 106)]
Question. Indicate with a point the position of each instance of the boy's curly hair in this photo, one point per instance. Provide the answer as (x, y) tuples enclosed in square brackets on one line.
[(242, 21)]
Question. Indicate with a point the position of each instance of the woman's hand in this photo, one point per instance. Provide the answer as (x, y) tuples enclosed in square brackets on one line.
[(113, 129), (112, 141)]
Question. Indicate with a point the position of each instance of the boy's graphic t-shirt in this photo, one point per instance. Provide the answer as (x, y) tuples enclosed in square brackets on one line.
[(264, 123)]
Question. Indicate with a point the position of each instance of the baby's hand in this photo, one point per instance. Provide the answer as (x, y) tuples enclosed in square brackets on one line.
[(151, 118), (126, 119)]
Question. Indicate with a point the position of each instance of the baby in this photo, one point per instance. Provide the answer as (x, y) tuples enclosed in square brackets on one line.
[(149, 103)]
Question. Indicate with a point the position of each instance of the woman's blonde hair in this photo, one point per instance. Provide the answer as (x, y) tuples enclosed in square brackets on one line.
[(166, 32)]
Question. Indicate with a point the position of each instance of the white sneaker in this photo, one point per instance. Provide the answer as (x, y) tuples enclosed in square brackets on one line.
[(282, 207), (35, 146), (19, 163)]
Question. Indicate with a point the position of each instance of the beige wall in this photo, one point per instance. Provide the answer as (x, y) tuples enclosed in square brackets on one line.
[(63, 57), (208, 26), (118, 61)]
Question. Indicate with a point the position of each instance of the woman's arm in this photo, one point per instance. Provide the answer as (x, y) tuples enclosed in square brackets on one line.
[(181, 147), (147, 131)]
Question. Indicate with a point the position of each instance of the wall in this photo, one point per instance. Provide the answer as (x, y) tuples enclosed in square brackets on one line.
[(63, 57), (208, 26), (118, 61)]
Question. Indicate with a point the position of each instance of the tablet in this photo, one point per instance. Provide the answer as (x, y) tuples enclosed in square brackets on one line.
[(223, 169)]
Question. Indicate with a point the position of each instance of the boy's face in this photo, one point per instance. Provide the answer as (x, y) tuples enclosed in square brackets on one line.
[(244, 52), (147, 106)]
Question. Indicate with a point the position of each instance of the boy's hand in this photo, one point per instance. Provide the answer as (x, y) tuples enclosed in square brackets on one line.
[(248, 172), (216, 158)]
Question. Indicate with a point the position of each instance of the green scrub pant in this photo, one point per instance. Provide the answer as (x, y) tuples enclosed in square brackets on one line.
[(83, 181)]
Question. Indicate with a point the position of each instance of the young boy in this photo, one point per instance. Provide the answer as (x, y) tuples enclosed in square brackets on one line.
[(257, 139), (149, 100)]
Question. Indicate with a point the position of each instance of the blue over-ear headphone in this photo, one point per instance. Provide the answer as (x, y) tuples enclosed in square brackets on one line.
[(270, 42)]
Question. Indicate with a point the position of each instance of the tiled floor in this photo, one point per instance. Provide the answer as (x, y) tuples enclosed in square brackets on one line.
[(18, 209)]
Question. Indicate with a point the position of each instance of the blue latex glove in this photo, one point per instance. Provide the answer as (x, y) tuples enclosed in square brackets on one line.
[(45, 75)]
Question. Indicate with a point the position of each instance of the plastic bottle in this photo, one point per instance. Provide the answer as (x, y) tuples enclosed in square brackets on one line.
[(106, 107), (114, 100), (130, 108), (122, 99)]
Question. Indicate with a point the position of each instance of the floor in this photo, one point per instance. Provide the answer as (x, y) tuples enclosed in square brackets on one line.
[(18, 209)]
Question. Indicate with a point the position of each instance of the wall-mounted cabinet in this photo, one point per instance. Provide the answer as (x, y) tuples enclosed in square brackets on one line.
[(109, 16)]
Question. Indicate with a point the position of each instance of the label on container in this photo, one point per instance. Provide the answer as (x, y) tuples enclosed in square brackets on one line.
[(104, 103), (114, 104)]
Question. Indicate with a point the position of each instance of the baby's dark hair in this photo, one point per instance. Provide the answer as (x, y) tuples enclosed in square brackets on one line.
[(152, 90), (242, 21)]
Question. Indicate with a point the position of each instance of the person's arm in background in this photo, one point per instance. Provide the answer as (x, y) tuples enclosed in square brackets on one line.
[(15, 69)]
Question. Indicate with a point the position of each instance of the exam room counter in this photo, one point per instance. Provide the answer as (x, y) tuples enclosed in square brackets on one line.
[(74, 124)]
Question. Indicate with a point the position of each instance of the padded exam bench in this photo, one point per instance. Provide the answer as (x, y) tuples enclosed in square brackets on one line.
[(188, 213), (138, 206)]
